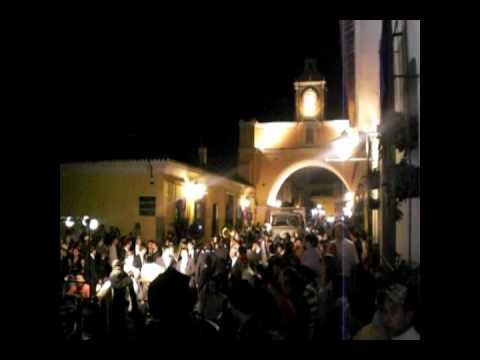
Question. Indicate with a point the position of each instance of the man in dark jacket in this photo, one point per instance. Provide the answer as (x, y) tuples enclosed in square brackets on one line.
[(124, 300), (91, 271)]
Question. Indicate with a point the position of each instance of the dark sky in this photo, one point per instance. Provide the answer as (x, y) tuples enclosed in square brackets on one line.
[(140, 93)]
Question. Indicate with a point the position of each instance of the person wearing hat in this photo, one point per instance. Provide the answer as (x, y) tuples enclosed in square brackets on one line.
[(393, 320), (398, 313)]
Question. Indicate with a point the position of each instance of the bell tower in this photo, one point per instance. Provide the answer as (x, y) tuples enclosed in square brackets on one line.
[(310, 93)]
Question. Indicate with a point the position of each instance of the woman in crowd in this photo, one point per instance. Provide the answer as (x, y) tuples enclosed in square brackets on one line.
[(293, 287), (139, 252), (77, 263), (113, 251)]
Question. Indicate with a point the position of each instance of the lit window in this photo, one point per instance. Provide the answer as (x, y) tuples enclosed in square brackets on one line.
[(309, 100)]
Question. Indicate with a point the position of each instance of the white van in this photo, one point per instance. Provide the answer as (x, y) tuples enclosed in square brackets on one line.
[(287, 220)]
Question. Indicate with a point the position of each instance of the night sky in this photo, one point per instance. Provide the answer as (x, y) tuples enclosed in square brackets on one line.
[(156, 93)]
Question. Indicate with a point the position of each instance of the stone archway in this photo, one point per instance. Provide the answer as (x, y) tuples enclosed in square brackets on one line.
[(285, 174)]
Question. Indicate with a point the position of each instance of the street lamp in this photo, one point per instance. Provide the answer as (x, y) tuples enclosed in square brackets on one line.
[(348, 196), (69, 222), (345, 144), (195, 191), (244, 202), (93, 224)]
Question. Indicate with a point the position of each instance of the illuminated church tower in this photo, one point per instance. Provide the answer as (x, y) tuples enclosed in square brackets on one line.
[(310, 94)]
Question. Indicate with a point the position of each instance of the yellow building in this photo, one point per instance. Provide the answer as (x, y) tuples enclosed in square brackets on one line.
[(153, 193)]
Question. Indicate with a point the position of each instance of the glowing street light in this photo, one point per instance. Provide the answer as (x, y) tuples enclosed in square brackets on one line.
[(244, 203), (319, 206), (347, 212), (345, 144), (69, 222), (348, 196), (194, 191), (85, 220), (93, 224), (330, 219)]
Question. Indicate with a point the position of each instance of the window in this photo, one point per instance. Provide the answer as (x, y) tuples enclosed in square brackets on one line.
[(147, 205), (229, 211)]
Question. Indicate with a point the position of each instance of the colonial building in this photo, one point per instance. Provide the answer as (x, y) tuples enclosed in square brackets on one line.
[(154, 193), (381, 82)]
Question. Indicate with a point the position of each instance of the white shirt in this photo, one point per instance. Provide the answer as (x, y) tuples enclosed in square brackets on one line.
[(234, 260), (410, 334), (166, 256), (184, 261), (347, 256), (128, 267)]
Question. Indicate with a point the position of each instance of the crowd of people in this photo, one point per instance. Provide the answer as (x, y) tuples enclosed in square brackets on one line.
[(237, 286)]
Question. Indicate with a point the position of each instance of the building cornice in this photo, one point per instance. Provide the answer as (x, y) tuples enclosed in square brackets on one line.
[(299, 84), (169, 167)]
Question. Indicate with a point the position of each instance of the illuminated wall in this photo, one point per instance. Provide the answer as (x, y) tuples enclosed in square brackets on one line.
[(367, 73), (361, 77), (110, 192), (281, 135), (110, 197)]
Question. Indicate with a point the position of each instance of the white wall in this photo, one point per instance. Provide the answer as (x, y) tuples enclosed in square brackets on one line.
[(367, 73)]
